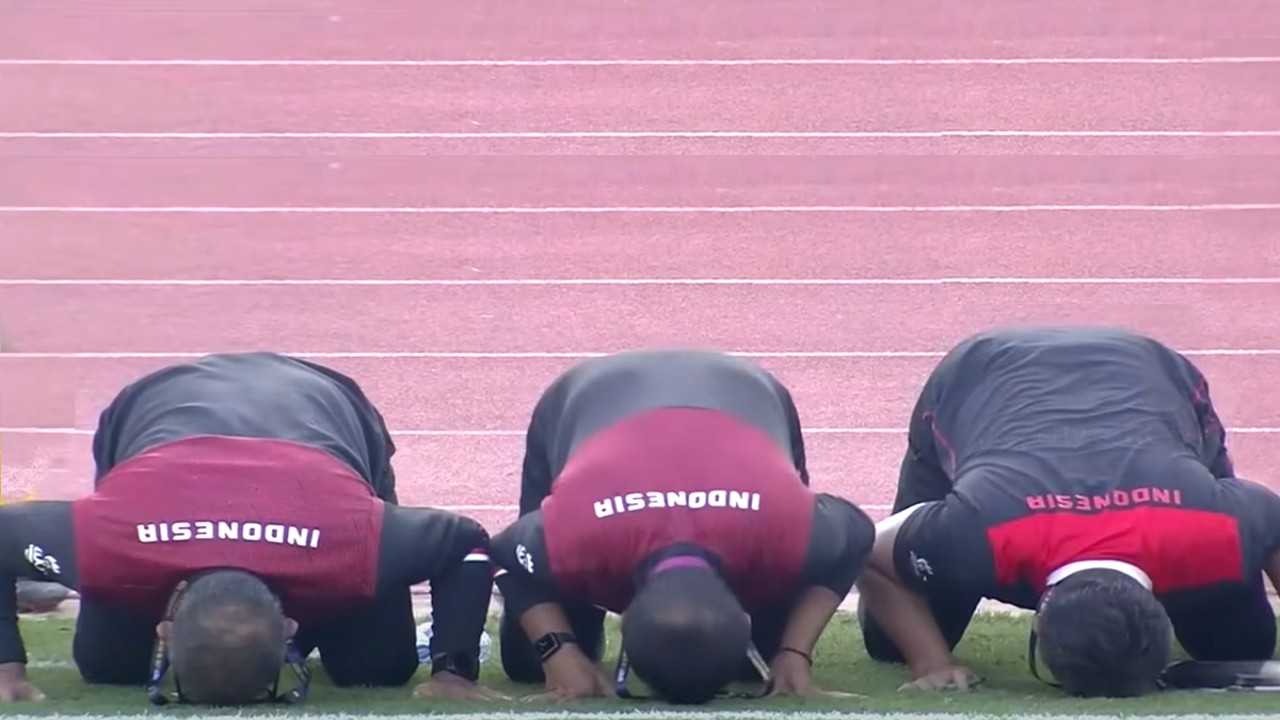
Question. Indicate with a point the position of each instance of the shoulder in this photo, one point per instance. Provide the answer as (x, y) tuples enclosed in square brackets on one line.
[(522, 545), (838, 516), (1252, 503), (940, 543)]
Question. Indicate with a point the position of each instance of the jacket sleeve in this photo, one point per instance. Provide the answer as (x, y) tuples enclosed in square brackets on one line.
[(449, 551), (839, 544), (35, 542), (523, 568)]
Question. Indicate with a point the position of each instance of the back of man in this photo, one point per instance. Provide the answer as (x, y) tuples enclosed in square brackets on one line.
[(270, 466), (252, 395), (1039, 410), (637, 457), (1036, 454), (594, 395)]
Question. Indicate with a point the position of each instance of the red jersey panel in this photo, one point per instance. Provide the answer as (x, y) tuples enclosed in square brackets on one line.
[(1178, 548), (289, 513), (670, 476)]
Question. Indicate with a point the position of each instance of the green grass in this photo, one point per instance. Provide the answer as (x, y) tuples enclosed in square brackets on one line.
[(995, 646)]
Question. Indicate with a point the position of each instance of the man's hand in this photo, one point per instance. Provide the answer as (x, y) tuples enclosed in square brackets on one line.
[(14, 686), (572, 676), (792, 676), (951, 677), (447, 686)]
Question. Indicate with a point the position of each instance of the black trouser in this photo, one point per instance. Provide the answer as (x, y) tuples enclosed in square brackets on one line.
[(374, 646), (952, 613), (1233, 622), (519, 660)]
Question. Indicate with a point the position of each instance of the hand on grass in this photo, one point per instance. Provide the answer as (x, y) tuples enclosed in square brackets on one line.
[(447, 686), (952, 677), (792, 676), (572, 676), (14, 686)]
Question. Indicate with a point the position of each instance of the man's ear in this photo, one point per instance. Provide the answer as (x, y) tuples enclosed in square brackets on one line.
[(164, 629), (290, 628)]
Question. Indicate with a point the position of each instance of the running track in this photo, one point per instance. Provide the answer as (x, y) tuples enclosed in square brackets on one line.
[(842, 189)]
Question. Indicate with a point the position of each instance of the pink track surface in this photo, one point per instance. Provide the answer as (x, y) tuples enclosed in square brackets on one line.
[(922, 205)]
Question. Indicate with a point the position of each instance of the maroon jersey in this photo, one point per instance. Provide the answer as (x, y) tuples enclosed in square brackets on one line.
[(672, 476), (145, 528), (638, 455)]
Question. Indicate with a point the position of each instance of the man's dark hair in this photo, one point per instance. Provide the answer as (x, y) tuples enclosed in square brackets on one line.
[(685, 635), (227, 644), (1102, 634)]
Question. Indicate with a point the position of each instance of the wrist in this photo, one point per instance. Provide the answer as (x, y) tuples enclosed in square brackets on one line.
[(570, 656), (920, 668), (554, 643), (458, 664), (796, 654)]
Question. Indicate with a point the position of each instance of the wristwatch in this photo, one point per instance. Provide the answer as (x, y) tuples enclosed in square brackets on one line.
[(550, 644), (459, 663)]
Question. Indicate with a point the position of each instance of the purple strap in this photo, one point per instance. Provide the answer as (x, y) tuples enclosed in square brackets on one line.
[(678, 562)]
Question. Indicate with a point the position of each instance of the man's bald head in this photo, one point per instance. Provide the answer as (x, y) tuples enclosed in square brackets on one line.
[(685, 634), (227, 641)]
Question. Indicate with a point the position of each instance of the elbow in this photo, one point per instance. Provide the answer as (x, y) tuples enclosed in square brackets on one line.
[(473, 539)]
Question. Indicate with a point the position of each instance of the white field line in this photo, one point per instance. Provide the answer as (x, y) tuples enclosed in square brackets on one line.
[(656, 714), (621, 209), (538, 282), (640, 135), (639, 62), (468, 355)]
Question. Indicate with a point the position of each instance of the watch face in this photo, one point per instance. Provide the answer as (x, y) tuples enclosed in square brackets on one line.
[(547, 644)]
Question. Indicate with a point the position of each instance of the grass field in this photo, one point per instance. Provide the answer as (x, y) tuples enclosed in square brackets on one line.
[(995, 647)]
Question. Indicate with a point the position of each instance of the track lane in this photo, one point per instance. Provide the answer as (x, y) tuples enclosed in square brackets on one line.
[(936, 143), (787, 245), (141, 99), (660, 29), (497, 394), (605, 318), (587, 181)]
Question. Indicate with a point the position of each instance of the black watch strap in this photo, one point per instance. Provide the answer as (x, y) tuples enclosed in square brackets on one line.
[(458, 663), (551, 643)]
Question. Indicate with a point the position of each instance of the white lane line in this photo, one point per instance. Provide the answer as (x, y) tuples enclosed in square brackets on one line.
[(659, 713), (641, 135), (641, 62), (569, 355), (536, 282), (620, 209)]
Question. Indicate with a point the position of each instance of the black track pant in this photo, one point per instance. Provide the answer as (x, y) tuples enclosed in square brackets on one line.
[(519, 660)]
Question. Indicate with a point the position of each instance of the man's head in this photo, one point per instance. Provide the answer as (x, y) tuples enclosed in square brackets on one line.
[(227, 639), (1104, 634), (685, 634)]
